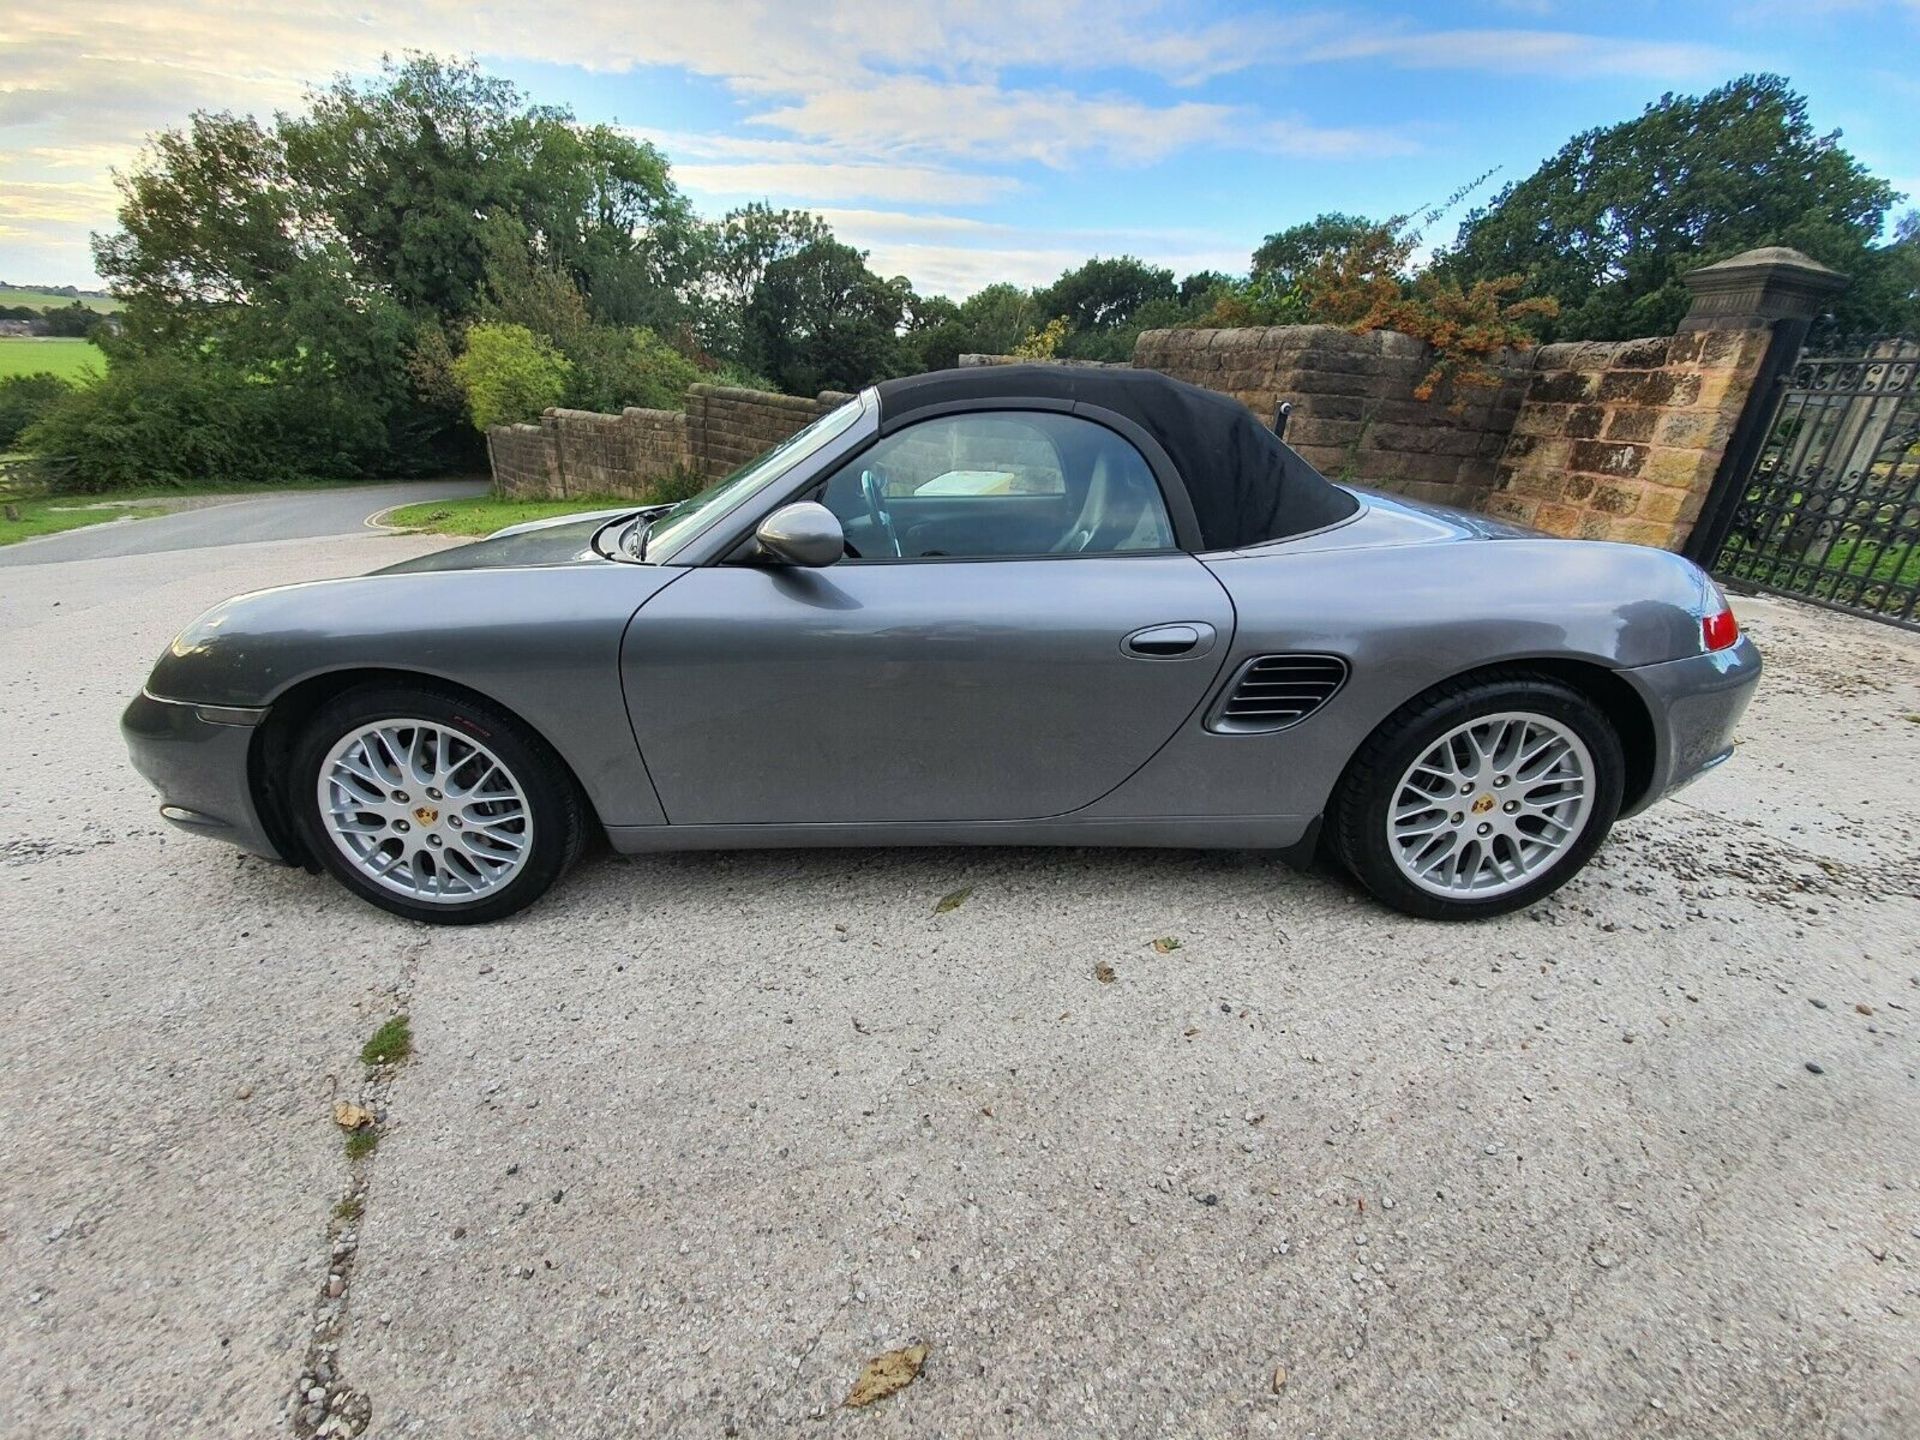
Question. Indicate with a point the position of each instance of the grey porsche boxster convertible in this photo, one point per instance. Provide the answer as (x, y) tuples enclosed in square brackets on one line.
[(1022, 605)]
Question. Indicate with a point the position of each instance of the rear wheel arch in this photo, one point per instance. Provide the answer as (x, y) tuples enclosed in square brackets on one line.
[(269, 757), (1624, 708), (1615, 698), (1557, 695)]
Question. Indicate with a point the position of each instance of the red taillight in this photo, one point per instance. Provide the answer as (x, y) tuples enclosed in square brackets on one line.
[(1720, 631)]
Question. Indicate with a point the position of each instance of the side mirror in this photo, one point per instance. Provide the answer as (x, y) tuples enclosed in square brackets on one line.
[(804, 533)]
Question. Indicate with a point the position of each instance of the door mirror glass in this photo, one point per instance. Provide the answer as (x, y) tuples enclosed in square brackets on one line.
[(803, 533)]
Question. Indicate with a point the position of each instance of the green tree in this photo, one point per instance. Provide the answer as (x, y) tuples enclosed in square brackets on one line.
[(991, 321), (338, 257), (170, 419), (999, 317), (934, 335), (75, 321), (1100, 301), (608, 214), (208, 217), (24, 399), (739, 248), (618, 366), (1610, 224), (1198, 289), (509, 375), (613, 366), (409, 167), (1284, 258), (821, 320)]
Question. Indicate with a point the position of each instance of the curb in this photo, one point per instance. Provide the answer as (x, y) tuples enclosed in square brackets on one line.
[(377, 520)]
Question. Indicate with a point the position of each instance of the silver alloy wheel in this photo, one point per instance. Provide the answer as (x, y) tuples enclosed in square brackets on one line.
[(424, 811), (1491, 805)]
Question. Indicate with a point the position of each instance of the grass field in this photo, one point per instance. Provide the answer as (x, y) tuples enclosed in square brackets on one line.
[(46, 299), (484, 514), (50, 517), (69, 359)]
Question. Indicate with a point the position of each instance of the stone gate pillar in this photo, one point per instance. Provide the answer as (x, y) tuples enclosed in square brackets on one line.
[(1757, 306)]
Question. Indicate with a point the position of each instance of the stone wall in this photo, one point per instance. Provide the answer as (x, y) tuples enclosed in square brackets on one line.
[(522, 461), (1621, 440), (583, 452), (729, 426), (1354, 413), (621, 455)]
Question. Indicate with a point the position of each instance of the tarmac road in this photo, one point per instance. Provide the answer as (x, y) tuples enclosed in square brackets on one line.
[(685, 1144), (242, 520)]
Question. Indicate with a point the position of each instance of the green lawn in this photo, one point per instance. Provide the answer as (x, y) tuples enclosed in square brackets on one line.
[(484, 514), (46, 299), (69, 359), (50, 517)]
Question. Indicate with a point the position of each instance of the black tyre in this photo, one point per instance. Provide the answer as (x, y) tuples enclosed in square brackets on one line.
[(1478, 797), (433, 804)]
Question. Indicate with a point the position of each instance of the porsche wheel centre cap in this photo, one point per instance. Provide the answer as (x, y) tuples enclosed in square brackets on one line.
[(426, 814), (1480, 806)]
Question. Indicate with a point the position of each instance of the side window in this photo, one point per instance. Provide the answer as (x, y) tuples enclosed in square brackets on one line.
[(998, 484)]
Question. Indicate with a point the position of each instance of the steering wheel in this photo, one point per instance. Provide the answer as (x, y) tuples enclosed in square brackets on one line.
[(873, 488)]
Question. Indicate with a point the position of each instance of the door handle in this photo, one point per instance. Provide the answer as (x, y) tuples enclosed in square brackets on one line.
[(1169, 642)]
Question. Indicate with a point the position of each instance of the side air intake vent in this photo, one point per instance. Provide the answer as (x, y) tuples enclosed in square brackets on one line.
[(1275, 691)]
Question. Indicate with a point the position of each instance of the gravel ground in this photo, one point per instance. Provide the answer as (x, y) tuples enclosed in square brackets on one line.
[(684, 1146)]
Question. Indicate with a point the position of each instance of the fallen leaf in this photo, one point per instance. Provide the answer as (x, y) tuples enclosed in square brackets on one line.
[(1166, 944), (349, 1116), (953, 900), (885, 1374), (1279, 1378), (1191, 1031), (1104, 973), (1863, 1008)]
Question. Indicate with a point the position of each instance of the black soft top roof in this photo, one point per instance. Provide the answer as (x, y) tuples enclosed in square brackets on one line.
[(1245, 484)]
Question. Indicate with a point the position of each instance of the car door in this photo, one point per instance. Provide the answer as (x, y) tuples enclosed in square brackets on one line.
[(1015, 637)]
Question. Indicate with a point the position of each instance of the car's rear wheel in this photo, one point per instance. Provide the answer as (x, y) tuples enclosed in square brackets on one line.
[(432, 804), (1479, 797)]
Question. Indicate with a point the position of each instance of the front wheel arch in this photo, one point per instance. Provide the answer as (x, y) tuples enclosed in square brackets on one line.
[(269, 756)]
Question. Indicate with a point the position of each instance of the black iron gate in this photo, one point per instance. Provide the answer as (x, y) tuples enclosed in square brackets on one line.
[(1830, 511)]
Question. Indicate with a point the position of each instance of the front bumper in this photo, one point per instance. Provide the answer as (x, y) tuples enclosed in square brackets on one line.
[(1695, 704), (196, 757)]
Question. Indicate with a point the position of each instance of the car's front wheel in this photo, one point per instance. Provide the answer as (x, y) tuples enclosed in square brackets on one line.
[(432, 804), (1479, 797)]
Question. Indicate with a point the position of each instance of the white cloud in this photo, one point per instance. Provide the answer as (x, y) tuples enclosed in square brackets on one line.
[(809, 183), (859, 100), (914, 114), (729, 169), (1537, 52), (75, 201), (956, 255)]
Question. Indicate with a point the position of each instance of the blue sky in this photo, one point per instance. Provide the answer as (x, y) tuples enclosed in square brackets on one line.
[(962, 143)]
